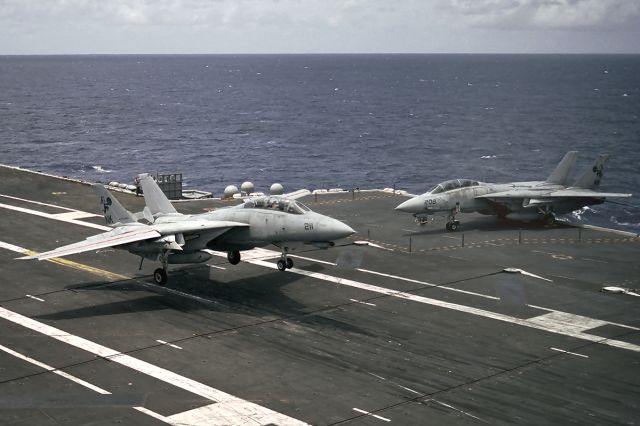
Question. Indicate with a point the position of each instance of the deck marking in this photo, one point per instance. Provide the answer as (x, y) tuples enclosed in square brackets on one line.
[(456, 409), (168, 344), (73, 215), (153, 414), (555, 322), (54, 217), (45, 204), (229, 409), (34, 297), (567, 352), (216, 266), (55, 370), (410, 390), (371, 414), (68, 263), (363, 303), (427, 284)]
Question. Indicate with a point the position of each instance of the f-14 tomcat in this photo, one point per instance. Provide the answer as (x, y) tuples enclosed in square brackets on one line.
[(522, 201), (175, 238)]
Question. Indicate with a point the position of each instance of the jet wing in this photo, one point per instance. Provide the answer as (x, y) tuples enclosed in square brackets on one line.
[(569, 192), (115, 237)]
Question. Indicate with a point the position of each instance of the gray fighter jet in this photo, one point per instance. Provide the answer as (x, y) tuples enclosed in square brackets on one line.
[(175, 238), (521, 201)]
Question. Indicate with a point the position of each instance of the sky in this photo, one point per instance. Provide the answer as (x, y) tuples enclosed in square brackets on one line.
[(318, 26)]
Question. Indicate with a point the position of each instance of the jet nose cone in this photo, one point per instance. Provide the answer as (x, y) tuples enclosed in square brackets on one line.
[(412, 205), (342, 230)]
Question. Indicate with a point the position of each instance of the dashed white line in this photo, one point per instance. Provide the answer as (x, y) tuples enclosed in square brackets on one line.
[(362, 303), (456, 409), (34, 297), (567, 352), (168, 344), (56, 371), (371, 414)]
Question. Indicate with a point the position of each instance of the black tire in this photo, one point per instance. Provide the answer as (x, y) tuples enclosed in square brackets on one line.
[(160, 277), (281, 265), (448, 226), (289, 263), (453, 226), (233, 257)]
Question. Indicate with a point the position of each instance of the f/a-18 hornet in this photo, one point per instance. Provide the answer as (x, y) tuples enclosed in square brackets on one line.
[(175, 238), (522, 201)]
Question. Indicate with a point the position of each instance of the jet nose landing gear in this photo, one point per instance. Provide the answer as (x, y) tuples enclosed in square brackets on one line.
[(452, 223)]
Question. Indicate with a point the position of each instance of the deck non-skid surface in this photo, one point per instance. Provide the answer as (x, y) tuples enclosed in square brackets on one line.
[(422, 327)]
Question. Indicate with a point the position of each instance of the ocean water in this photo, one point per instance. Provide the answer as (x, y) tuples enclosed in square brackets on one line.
[(326, 121)]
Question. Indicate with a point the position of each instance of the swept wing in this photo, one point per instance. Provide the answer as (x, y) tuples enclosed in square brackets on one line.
[(139, 232)]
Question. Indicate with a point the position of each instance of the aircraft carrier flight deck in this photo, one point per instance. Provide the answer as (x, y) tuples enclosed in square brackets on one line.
[(496, 323)]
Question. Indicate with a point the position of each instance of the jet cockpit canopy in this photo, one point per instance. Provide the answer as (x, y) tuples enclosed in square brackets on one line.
[(452, 184), (276, 203)]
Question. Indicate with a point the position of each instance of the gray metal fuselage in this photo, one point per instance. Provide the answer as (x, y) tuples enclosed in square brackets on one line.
[(265, 226), (465, 200)]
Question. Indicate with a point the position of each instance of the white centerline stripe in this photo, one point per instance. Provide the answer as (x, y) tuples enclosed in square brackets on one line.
[(228, 410), (168, 344), (371, 414), (567, 352), (35, 298), (56, 371)]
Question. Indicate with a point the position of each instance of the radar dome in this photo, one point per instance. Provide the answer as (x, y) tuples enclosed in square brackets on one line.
[(276, 189), (229, 191), (247, 187)]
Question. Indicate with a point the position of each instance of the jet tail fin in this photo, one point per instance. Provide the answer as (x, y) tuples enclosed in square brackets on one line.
[(111, 208), (592, 177), (156, 201), (564, 169)]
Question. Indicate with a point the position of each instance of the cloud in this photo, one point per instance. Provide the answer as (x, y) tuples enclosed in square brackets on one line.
[(548, 14)]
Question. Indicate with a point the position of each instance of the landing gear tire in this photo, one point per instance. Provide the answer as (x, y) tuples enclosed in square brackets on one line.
[(452, 226), (233, 257), (282, 265), (160, 277), (289, 263)]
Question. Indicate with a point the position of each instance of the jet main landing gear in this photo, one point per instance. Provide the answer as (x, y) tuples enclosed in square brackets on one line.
[(284, 262), (233, 257), (160, 274)]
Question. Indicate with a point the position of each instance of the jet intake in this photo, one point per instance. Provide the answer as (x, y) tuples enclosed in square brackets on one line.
[(195, 257)]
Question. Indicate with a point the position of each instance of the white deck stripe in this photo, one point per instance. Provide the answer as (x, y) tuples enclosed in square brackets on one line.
[(56, 371), (34, 297), (230, 409), (567, 352), (38, 203), (371, 414), (54, 217)]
